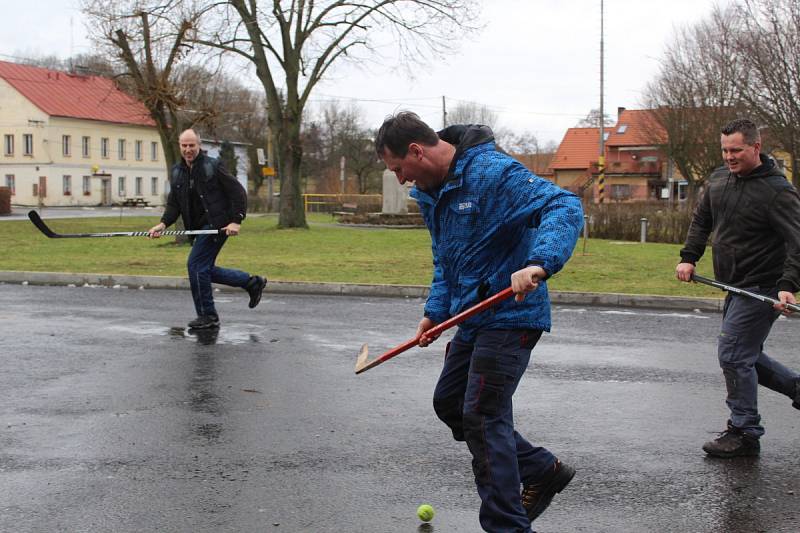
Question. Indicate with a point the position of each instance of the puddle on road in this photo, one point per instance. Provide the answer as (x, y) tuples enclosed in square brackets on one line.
[(223, 335), (695, 315)]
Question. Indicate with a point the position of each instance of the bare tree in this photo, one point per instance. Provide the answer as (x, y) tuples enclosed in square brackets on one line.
[(472, 113), (293, 44), (592, 120), (339, 132), (149, 38), (770, 47), (695, 93)]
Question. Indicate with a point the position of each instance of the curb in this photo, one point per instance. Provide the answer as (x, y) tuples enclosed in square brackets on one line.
[(356, 289)]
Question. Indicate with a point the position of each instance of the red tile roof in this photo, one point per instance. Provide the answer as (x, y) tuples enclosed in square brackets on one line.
[(640, 129), (536, 163), (578, 149), (61, 94)]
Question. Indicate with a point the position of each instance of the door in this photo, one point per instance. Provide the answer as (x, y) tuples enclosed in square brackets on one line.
[(105, 191)]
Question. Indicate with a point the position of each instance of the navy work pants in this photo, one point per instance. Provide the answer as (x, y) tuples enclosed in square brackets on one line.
[(473, 397)]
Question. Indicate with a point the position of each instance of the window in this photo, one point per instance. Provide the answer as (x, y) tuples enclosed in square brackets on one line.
[(121, 186), (67, 185), (683, 190), (121, 149), (622, 128), (27, 141), (8, 144), (137, 150), (66, 145), (154, 151), (153, 186), (104, 147), (138, 186), (86, 146), (87, 185), (11, 183), (621, 192)]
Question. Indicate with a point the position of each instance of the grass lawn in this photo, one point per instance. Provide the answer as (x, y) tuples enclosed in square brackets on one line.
[(325, 252)]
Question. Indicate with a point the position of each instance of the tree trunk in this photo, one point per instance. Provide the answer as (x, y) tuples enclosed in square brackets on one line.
[(292, 210)]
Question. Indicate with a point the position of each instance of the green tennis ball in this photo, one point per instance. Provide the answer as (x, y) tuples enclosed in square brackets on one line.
[(425, 512)]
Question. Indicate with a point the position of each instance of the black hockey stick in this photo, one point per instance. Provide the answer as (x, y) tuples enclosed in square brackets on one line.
[(736, 290), (39, 223)]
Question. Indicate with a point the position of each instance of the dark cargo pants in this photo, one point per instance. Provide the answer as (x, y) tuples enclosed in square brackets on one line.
[(474, 398), (746, 323)]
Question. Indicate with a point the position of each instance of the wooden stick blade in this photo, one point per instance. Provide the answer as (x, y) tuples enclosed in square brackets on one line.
[(361, 360)]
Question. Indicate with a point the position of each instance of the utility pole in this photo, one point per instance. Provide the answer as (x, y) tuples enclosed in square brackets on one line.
[(601, 162), (444, 113)]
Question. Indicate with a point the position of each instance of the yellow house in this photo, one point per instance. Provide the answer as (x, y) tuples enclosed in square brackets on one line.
[(76, 140)]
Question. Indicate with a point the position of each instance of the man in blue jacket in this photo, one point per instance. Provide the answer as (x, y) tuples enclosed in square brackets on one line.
[(493, 224), (207, 197)]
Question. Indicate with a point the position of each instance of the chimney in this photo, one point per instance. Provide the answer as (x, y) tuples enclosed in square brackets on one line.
[(619, 112)]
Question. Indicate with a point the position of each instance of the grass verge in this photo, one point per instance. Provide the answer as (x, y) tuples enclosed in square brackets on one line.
[(326, 253)]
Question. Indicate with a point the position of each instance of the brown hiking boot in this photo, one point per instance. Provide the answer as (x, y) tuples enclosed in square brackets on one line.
[(537, 495), (732, 442)]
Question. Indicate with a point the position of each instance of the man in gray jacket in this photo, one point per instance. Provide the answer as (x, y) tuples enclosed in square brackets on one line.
[(754, 215)]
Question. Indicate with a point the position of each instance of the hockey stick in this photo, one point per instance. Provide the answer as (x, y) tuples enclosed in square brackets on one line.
[(361, 361), (742, 292), (39, 223)]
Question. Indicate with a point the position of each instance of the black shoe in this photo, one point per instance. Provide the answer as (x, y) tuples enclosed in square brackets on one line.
[(254, 288), (204, 322), (537, 495), (733, 442)]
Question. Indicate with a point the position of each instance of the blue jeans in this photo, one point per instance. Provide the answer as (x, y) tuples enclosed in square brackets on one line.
[(745, 326), (203, 272), (473, 397)]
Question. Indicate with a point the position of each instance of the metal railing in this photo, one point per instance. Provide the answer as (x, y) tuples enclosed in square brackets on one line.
[(328, 203)]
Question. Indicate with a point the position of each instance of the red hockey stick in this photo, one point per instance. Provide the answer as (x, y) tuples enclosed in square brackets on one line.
[(361, 361)]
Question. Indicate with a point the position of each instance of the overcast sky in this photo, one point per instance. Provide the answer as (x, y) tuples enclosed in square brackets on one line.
[(536, 63)]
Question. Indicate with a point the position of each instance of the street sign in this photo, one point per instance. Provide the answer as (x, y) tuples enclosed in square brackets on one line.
[(267, 171), (262, 160)]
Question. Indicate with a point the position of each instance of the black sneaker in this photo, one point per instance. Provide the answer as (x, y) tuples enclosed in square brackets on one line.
[(204, 322), (733, 442), (254, 288), (537, 495)]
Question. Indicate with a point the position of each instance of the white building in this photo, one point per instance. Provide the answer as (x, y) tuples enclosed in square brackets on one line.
[(75, 140)]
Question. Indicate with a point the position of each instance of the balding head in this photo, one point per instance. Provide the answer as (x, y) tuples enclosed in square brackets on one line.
[(189, 144)]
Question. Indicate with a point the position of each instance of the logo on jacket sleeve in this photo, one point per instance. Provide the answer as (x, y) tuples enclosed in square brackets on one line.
[(464, 205)]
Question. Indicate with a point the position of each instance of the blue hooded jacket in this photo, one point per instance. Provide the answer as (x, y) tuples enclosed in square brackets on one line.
[(490, 218)]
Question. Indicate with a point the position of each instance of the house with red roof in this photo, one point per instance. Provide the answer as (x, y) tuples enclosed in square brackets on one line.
[(72, 139), (635, 167), (572, 163)]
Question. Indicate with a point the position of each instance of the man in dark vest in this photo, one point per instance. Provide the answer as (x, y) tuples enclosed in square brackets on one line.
[(205, 194)]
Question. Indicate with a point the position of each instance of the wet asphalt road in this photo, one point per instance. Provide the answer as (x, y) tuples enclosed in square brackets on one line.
[(115, 419)]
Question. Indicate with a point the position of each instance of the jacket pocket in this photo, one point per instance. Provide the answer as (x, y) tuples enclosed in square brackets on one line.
[(463, 218)]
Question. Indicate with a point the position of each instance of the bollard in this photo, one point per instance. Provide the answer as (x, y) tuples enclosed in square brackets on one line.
[(585, 232), (643, 230)]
